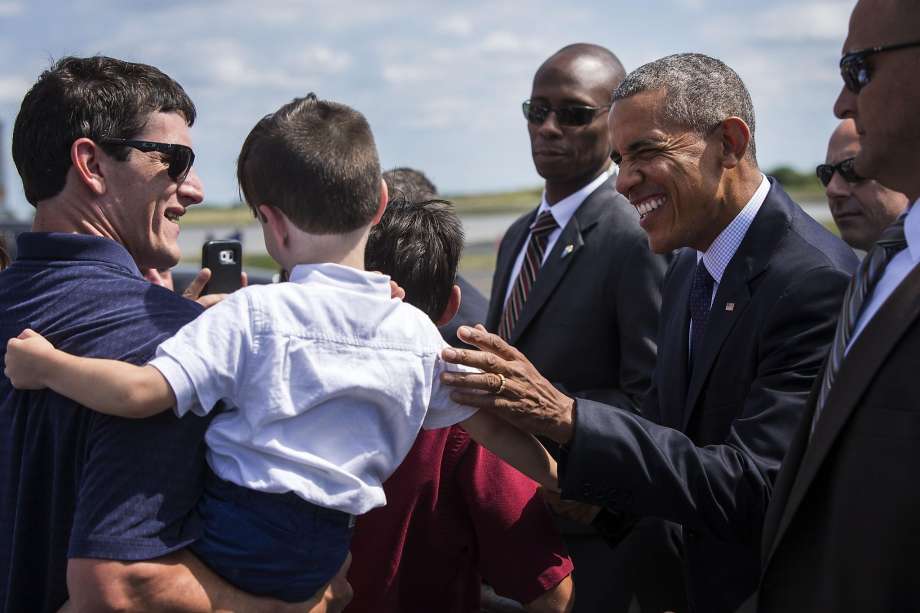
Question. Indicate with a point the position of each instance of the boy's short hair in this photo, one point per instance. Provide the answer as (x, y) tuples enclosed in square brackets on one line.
[(92, 97), (418, 244), (410, 184), (315, 161)]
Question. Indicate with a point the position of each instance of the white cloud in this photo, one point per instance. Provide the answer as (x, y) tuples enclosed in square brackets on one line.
[(456, 25), (13, 88), (10, 8), (817, 21)]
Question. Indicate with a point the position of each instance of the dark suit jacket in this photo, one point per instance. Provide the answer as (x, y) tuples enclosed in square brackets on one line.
[(841, 532), (708, 447), (589, 322), (473, 308)]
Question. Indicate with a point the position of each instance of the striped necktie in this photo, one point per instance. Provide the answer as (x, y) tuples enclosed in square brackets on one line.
[(533, 259), (867, 276)]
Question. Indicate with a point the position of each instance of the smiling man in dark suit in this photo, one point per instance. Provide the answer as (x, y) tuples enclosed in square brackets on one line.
[(579, 267), (749, 309), (841, 533)]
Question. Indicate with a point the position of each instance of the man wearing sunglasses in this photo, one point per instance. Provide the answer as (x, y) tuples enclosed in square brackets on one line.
[(97, 511), (841, 532), (576, 287), (862, 208)]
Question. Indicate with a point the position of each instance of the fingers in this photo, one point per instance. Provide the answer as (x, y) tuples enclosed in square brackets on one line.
[(244, 279), (209, 300), (194, 289), (501, 406), (27, 333), (396, 291), (487, 382), (492, 343)]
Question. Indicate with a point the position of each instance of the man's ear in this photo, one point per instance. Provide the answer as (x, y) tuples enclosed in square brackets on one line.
[(275, 222), (453, 305), (736, 137), (384, 197), (86, 158)]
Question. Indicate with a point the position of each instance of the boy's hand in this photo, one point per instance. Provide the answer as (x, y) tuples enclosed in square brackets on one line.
[(26, 358)]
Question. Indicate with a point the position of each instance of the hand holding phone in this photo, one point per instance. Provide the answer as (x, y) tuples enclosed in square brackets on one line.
[(224, 258)]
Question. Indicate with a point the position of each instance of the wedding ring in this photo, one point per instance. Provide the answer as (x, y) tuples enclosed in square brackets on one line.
[(501, 387)]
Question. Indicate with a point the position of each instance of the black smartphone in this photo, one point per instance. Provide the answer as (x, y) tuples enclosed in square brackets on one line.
[(225, 259)]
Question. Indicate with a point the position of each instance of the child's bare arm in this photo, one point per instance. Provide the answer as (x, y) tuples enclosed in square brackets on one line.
[(519, 449), (107, 386)]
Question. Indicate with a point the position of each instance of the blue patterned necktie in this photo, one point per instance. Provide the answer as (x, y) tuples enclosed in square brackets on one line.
[(533, 259), (861, 285), (700, 301)]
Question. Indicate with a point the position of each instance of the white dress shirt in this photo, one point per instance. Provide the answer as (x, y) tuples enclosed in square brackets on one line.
[(562, 212), (328, 381), (723, 248), (898, 267)]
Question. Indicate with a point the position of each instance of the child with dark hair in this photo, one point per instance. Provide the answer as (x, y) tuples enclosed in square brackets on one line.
[(327, 378)]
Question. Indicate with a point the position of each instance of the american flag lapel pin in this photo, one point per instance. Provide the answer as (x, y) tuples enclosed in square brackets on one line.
[(568, 249), (729, 306)]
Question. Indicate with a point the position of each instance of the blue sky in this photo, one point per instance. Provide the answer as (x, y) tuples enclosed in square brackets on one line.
[(440, 82)]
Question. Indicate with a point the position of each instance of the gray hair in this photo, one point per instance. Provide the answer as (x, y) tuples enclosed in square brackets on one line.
[(701, 92)]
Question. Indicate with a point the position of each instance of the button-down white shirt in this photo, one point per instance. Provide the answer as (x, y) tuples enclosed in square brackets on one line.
[(562, 212), (898, 268), (328, 378)]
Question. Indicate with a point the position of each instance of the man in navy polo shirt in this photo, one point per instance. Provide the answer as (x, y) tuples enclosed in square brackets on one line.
[(96, 509)]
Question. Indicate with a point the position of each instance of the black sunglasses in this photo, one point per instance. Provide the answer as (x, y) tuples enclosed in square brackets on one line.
[(854, 69), (570, 115), (845, 167), (178, 157)]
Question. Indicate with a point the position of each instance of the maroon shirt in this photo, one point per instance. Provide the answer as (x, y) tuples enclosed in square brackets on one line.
[(455, 515)]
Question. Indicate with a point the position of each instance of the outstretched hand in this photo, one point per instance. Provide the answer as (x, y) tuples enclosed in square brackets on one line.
[(513, 388), (26, 359)]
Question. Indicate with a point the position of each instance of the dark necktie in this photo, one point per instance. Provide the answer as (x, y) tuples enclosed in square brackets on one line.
[(861, 285), (700, 300), (533, 259)]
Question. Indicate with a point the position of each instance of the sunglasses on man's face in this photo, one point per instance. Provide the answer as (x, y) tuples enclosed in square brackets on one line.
[(179, 158), (846, 169), (569, 115), (855, 70)]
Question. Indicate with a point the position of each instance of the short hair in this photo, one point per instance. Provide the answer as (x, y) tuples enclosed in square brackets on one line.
[(701, 92), (315, 161), (94, 97), (418, 243), (409, 183)]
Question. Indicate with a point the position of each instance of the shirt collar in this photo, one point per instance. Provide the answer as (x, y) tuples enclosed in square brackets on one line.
[(564, 209), (62, 246), (341, 276), (723, 249), (912, 232)]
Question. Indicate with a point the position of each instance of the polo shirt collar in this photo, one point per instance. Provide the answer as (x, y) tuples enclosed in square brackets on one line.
[(73, 247)]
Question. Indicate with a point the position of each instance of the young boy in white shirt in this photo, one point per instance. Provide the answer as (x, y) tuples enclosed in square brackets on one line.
[(326, 377)]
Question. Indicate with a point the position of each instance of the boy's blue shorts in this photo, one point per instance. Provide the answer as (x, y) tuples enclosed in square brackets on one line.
[(276, 545)]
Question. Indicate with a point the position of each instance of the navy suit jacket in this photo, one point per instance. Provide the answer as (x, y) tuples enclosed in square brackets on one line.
[(707, 448)]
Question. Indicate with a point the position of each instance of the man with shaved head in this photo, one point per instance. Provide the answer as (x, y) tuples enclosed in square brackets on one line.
[(576, 287), (862, 208), (841, 532)]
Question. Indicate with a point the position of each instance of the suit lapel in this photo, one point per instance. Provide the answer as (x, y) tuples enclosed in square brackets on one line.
[(517, 234), (673, 360), (865, 357), (564, 252), (552, 271), (750, 260)]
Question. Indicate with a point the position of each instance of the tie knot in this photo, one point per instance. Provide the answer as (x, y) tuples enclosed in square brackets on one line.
[(892, 238), (544, 224)]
